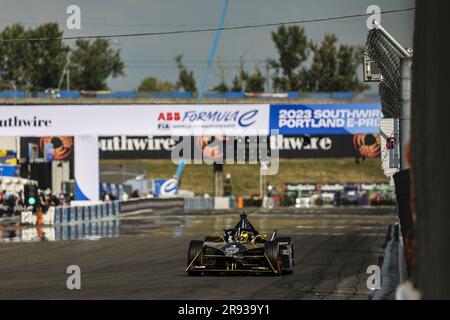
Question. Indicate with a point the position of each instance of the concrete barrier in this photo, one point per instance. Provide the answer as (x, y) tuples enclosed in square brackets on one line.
[(28, 218), (198, 203), (216, 203), (221, 203), (48, 218), (152, 203), (391, 269)]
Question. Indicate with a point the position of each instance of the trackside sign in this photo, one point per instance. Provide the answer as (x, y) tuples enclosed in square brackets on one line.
[(158, 120), (16, 122), (190, 120), (355, 118)]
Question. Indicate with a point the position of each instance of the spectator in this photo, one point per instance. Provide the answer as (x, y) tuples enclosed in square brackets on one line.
[(13, 203), (227, 188), (135, 194)]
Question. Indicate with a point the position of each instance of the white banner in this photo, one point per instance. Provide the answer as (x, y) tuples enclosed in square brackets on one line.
[(106, 120), (86, 168)]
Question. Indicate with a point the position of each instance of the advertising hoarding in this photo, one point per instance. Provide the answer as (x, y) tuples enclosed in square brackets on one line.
[(103, 120), (326, 119), (327, 146)]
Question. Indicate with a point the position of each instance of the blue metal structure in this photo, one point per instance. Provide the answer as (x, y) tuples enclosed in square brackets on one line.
[(213, 51)]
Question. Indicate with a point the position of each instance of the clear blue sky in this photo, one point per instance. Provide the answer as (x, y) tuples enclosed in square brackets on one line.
[(145, 56)]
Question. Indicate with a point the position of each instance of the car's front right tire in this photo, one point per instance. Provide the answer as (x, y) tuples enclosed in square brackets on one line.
[(272, 252), (287, 261)]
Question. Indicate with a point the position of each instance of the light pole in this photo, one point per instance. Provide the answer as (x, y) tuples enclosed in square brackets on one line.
[(13, 83), (66, 72)]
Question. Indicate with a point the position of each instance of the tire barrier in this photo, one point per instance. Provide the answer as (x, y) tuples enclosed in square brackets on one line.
[(78, 214), (92, 229), (80, 231), (67, 215)]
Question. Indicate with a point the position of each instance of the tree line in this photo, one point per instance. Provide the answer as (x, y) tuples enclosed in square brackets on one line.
[(302, 65), (37, 65)]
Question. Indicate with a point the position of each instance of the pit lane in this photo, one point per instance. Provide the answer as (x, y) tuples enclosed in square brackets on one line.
[(146, 260)]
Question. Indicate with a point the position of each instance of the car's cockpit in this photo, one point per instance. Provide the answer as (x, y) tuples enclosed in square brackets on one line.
[(242, 232)]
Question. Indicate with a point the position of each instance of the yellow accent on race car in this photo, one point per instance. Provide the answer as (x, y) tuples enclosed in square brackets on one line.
[(218, 235), (262, 236)]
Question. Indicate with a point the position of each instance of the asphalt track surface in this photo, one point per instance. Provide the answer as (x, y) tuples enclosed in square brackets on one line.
[(147, 260)]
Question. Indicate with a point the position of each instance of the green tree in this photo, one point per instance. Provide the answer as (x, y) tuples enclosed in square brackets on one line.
[(244, 81), (221, 87), (255, 82), (236, 85), (32, 64), (152, 84), (293, 50), (334, 69), (239, 79), (14, 57), (322, 74), (92, 63), (349, 58), (331, 69), (48, 57), (186, 79), (6, 85)]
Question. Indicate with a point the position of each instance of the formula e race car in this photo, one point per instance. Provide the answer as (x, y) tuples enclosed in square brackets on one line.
[(241, 250)]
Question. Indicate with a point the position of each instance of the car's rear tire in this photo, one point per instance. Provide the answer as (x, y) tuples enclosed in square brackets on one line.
[(195, 246), (287, 262), (272, 252)]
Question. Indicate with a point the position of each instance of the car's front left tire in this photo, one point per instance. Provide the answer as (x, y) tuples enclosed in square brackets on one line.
[(194, 252)]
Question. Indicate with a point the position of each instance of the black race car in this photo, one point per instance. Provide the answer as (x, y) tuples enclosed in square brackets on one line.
[(241, 250)]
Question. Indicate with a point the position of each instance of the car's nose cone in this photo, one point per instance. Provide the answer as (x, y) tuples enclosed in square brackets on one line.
[(231, 250)]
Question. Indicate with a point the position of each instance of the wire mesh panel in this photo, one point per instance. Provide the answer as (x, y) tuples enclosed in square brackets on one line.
[(388, 60)]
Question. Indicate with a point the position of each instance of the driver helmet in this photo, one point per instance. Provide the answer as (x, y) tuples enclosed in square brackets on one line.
[(244, 236)]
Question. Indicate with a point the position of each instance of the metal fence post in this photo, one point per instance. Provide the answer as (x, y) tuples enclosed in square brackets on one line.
[(405, 114), (394, 62)]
